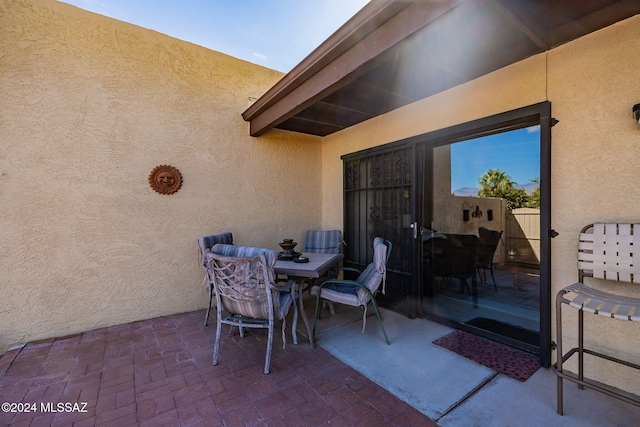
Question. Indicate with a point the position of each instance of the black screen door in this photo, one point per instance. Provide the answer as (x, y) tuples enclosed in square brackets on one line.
[(380, 194)]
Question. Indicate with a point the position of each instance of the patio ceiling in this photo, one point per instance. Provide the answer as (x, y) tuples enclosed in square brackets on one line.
[(395, 52)]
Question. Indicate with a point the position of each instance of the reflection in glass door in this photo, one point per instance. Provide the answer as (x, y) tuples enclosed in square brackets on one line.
[(481, 253)]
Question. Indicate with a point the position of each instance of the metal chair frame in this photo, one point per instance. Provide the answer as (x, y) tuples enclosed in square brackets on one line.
[(605, 251), (244, 286), (204, 245), (371, 295)]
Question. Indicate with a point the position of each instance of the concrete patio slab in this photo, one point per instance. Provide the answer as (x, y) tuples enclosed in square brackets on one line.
[(455, 391)]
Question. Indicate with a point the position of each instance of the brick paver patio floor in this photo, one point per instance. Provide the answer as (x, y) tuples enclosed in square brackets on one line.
[(158, 372)]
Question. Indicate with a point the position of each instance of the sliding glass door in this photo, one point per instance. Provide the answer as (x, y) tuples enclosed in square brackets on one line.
[(468, 211), (481, 252)]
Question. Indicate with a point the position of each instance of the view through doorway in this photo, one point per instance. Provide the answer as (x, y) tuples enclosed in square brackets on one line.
[(481, 252)]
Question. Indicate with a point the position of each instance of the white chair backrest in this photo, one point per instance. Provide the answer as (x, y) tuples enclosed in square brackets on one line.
[(610, 251)]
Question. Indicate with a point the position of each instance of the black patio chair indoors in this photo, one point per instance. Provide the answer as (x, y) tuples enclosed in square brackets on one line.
[(487, 243), (453, 257)]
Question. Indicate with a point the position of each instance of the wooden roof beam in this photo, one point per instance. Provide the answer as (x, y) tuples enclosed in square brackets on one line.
[(301, 87)]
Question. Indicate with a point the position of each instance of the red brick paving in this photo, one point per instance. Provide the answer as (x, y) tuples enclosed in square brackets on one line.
[(158, 372)]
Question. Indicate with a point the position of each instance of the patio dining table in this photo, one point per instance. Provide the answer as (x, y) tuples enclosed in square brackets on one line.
[(303, 275)]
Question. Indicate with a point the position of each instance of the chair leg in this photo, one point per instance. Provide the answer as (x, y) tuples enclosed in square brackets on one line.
[(375, 306), (482, 276), (315, 318), (267, 360), (559, 355), (206, 317), (581, 347), (493, 278), (332, 310), (216, 346), (284, 334), (294, 325)]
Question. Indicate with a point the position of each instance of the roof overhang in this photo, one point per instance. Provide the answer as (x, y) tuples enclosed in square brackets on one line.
[(395, 52)]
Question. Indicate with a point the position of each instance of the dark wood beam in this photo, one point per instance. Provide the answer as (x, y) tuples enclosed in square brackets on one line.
[(600, 18), (347, 67), (531, 29)]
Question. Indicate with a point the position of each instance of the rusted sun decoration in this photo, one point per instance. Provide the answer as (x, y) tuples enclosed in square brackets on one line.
[(165, 179)]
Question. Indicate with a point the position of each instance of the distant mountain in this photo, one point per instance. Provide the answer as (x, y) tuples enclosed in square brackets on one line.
[(529, 188), (466, 192), (473, 191)]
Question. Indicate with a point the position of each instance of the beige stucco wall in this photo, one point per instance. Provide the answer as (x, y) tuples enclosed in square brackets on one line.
[(88, 107), (592, 84)]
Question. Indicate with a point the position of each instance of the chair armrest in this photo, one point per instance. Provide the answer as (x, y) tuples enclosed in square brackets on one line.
[(355, 270), (345, 282)]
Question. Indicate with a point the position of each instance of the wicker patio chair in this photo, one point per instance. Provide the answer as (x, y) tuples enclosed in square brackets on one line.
[(245, 289), (205, 244)]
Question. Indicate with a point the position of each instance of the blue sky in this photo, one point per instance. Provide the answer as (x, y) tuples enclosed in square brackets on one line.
[(516, 152), (276, 34)]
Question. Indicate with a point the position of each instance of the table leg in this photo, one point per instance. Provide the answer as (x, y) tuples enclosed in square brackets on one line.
[(294, 327), (291, 288), (303, 312)]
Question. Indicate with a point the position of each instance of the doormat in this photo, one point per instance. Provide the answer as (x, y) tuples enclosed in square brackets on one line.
[(501, 358), (506, 330)]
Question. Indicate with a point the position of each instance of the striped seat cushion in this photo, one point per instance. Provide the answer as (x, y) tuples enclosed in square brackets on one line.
[(324, 242), (241, 282)]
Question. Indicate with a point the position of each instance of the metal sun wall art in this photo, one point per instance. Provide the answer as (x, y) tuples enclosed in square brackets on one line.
[(165, 179)]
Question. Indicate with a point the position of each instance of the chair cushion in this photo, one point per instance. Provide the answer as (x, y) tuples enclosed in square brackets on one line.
[(342, 297), (210, 241), (207, 242), (239, 251), (372, 278), (325, 242), (251, 309), (342, 287), (256, 306), (270, 255)]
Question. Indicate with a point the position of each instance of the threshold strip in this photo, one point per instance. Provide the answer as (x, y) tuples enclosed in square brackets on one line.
[(467, 396)]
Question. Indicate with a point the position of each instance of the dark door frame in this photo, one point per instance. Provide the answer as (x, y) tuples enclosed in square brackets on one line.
[(536, 114)]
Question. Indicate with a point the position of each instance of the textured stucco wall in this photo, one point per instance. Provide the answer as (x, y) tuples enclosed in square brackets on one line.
[(592, 84), (88, 107)]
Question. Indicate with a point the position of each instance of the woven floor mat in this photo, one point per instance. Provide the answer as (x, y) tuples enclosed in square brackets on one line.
[(501, 358)]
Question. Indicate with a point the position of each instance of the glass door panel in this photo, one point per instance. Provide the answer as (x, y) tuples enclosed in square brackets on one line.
[(379, 201), (481, 251)]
